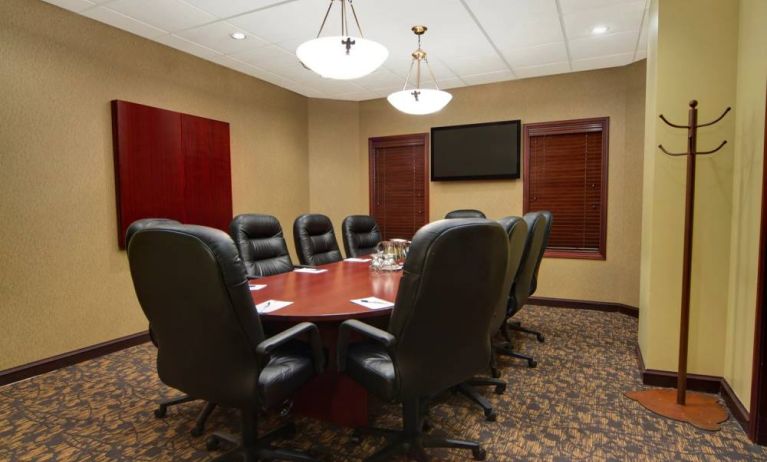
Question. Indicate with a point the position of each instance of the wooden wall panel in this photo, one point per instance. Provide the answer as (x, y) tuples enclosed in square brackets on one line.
[(170, 165)]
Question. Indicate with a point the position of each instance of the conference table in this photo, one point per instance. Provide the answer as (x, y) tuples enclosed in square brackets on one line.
[(325, 299)]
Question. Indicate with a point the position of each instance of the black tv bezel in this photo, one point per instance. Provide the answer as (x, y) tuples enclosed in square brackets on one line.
[(518, 122)]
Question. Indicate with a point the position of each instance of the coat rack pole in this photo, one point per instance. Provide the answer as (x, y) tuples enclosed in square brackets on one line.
[(684, 329)]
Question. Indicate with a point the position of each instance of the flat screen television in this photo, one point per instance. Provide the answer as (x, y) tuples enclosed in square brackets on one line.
[(476, 151)]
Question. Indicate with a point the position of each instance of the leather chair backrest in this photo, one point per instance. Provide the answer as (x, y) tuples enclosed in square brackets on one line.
[(520, 290), (191, 285), (465, 213), (145, 223), (361, 235), (261, 244), (516, 230), (547, 232), (315, 240), (450, 288)]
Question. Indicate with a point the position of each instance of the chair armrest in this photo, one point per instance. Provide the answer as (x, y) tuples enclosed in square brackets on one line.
[(266, 347), (251, 278), (304, 266), (379, 335)]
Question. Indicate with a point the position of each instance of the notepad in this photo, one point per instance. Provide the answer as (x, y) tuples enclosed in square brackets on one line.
[(357, 260), (257, 286), (271, 305), (309, 270), (373, 303)]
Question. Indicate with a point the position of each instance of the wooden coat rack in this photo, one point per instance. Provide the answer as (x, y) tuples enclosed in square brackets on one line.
[(700, 410)]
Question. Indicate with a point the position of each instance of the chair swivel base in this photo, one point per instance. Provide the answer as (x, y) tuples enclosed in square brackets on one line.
[(199, 425), (257, 449), (506, 350), (517, 326), (414, 445), (467, 390)]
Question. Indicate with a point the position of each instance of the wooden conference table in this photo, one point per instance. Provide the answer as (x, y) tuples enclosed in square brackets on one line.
[(325, 299)]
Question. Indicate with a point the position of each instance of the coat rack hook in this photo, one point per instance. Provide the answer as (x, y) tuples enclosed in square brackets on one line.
[(717, 119), (671, 153), (703, 153), (673, 125)]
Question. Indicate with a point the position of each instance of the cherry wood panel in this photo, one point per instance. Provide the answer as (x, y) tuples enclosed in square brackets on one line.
[(170, 165), (399, 184), (327, 296), (566, 173)]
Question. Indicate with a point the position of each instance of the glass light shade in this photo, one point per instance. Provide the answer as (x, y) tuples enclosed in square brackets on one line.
[(327, 56), (429, 101)]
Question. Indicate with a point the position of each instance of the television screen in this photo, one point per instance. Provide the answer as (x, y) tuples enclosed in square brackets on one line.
[(477, 151)]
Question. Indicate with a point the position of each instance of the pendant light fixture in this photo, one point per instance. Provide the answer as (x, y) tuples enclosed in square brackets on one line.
[(344, 56), (419, 101)]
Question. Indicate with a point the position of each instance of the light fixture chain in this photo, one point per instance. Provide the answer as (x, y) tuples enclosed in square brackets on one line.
[(325, 19), (343, 18), (428, 66), (409, 72), (356, 20)]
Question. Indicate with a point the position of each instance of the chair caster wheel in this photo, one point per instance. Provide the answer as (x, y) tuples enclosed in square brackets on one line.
[(212, 443), (356, 437), (479, 454), (490, 416), (540, 338), (160, 412), (500, 389), (532, 364), (496, 373), (427, 426), (197, 431)]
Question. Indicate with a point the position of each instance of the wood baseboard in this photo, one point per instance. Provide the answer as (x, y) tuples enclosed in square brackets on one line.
[(697, 382), (42, 366), (585, 305)]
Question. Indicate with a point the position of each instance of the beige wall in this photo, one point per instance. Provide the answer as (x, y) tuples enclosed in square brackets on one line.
[(617, 93), (63, 282), (747, 194)]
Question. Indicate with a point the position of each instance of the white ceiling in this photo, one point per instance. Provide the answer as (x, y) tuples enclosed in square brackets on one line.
[(469, 42)]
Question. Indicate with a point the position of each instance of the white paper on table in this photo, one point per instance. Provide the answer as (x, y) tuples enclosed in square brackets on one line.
[(309, 270), (257, 286), (357, 260), (271, 305), (373, 303)]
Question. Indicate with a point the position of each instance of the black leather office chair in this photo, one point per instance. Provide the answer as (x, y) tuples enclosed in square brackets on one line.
[(515, 325), (438, 333), (520, 289), (261, 244), (162, 407), (465, 213), (192, 287), (516, 230), (315, 240), (361, 235)]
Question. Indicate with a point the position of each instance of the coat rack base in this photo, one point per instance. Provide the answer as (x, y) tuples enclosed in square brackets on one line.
[(701, 411)]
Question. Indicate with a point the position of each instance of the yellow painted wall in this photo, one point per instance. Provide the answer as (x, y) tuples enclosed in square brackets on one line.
[(63, 283), (747, 194), (616, 93), (693, 55), (333, 160)]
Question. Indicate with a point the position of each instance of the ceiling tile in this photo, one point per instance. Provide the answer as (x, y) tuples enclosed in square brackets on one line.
[(573, 6), (518, 24), (170, 15), (479, 79), (182, 44), (476, 64), (621, 17), (266, 56), (546, 69), (537, 55), (603, 45), (603, 61), (381, 78), (286, 21), (217, 37), (227, 8), (72, 5), (401, 67), (113, 18)]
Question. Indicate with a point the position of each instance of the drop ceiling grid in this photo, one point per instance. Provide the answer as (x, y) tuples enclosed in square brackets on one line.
[(469, 42)]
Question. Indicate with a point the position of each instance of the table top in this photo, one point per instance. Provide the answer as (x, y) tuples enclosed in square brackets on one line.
[(327, 296)]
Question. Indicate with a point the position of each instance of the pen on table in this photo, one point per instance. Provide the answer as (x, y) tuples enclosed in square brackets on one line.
[(371, 301)]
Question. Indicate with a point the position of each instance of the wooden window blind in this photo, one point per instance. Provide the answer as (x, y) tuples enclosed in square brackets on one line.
[(566, 173)]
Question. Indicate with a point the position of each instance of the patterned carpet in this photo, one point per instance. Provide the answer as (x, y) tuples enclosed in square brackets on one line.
[(569, 408)]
